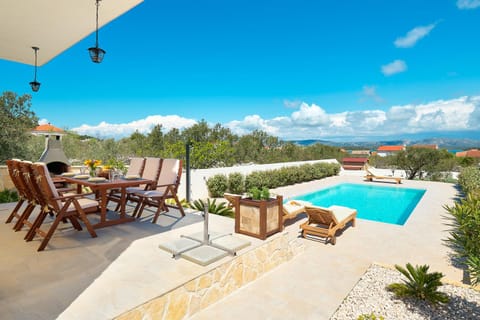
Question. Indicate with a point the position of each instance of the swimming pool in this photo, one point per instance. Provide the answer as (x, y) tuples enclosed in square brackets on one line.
[(383, 204)]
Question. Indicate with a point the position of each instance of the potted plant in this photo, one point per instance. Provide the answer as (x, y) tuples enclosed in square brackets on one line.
[(258, 215)]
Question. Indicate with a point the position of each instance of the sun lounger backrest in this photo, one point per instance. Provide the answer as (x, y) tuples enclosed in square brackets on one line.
[(321, 215)]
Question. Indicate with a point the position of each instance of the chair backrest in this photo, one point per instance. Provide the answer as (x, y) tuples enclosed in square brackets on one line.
[(136, 166), (170, 174), (152, 168), (14, 172), (22, 180), (46, 185), (321, 215), (26, 172)]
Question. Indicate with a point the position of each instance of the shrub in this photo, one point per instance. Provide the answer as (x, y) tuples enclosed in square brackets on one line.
[(7, 196), (217, 185), (221, 209), (464, 233), (420, 284), (370, 316), (236, 183), (183, 202), (469, 179)]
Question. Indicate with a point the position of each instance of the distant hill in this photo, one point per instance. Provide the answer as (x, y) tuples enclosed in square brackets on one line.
[(444, 143)]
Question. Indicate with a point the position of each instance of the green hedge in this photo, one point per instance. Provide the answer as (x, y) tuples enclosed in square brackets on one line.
[(7, 196), (464, 216), (469, 179), (219, 184)]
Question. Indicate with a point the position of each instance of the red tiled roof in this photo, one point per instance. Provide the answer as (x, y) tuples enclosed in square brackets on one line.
[(391, 148), (473, 153), (47, 128)]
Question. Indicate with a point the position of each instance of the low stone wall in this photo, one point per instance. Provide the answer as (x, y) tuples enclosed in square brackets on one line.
[(198, 293)]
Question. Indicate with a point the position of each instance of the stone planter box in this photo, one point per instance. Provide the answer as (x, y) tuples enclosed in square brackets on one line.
[(258, 218)]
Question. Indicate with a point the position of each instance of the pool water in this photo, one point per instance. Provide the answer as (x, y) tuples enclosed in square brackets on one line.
[(383, 204)]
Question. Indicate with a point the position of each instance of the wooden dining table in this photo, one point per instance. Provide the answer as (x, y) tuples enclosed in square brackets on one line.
[(101, 188)]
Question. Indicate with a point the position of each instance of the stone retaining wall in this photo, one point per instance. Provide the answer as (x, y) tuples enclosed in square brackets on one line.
[(197, 294)]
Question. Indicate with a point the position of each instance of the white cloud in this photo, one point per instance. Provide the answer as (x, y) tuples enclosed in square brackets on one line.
[(468, 4), (109, 130), (254, 122), (412, 37), (313, 122), (310, 115), (370, 92), (394, 67), (310, 121), (291, 104), (43, 121)]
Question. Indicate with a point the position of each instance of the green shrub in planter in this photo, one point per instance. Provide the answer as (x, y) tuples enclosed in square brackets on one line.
[(217, 185), (236, 183)]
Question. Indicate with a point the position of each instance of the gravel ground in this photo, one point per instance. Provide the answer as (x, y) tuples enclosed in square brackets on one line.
[(369, 295)]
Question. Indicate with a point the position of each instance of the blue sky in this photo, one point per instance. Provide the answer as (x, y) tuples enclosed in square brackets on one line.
[(297, 69)]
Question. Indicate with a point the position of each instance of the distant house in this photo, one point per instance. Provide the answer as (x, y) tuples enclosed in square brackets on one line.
[(472, 153), (384, 151), (360, 152), (426, 146), (354, 163)]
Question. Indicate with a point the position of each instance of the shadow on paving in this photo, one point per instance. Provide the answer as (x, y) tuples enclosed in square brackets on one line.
[(40, 285)]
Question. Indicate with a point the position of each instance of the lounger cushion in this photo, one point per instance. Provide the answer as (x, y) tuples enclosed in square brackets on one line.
[(293, 206), (340, 212)]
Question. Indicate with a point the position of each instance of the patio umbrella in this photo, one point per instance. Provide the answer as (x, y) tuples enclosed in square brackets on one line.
[(52, 25)]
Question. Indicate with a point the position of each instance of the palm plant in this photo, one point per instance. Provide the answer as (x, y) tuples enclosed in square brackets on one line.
[(221, 209), (420, 284), (473, 263), (464, 235)]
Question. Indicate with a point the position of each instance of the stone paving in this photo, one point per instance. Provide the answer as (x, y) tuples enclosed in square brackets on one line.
[(116, 273)]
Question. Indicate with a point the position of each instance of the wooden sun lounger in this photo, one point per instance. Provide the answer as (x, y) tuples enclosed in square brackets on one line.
[(325, 222), (372, 174)]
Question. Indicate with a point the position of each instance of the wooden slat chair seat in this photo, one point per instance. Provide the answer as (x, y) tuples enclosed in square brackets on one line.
[(72, 207), (166, 188)]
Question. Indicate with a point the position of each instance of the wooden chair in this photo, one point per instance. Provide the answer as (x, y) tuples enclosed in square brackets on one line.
[(150, 170), (14, 176), (325, 222), (25, 193), (71, 207), (26, 172), (166, 188)]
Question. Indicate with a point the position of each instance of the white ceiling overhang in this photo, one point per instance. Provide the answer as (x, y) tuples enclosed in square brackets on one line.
[(52, 25)]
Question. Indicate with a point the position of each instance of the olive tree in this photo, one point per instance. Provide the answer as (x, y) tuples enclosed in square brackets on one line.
[(16, 123)]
